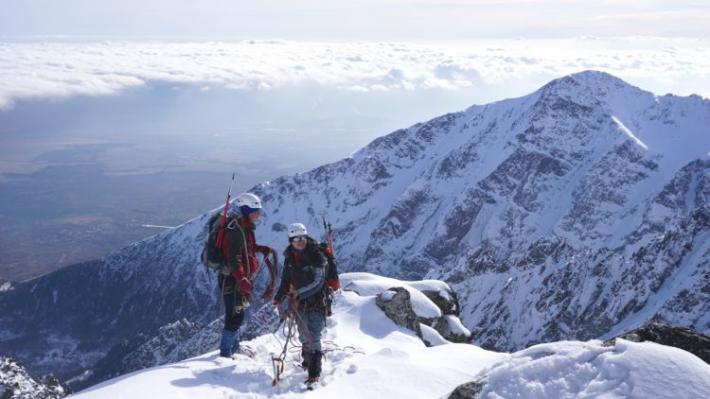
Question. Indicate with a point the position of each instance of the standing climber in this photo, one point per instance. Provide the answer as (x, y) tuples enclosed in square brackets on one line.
[(237, 249), (304, 281)]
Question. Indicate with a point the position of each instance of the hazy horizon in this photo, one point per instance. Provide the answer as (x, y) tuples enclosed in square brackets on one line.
[(362, 20)]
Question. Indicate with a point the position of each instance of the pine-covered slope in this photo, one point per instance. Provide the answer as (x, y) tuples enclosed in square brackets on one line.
[(577, 211)]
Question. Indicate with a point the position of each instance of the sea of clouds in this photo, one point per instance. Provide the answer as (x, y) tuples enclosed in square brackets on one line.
[(56, 69)]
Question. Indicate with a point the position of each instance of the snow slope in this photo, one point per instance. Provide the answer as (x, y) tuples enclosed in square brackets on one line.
[(370, 357), (572, 369), (367, 355)]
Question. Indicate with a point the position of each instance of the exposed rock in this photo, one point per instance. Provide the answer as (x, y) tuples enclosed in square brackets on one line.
[(469, 390), (16, 383), (396, 304), (679, 337), (448, 305), (451, 328)]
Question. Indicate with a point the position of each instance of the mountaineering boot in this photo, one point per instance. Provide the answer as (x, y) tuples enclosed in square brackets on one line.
[(306, 356), (228, 343), (235, 343), (311, 383), (314, 366)]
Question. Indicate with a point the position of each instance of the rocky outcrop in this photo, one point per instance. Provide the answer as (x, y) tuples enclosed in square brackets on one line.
[(469, 390), (679, 337), (432, 308), (15, 383), (397, 305)]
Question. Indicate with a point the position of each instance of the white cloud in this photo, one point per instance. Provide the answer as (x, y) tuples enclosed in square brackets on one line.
[(60, 70)]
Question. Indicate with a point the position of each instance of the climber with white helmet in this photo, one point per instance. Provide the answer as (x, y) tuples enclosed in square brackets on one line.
[(304, 282), (238, 265)]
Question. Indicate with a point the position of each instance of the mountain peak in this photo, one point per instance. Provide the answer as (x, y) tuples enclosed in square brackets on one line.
[(590, 87), (587, 79)]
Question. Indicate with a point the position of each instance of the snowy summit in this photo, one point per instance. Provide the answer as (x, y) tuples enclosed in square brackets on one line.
[(369, 356)]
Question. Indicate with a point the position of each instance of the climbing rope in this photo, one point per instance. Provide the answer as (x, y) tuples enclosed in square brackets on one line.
[(287, 327)]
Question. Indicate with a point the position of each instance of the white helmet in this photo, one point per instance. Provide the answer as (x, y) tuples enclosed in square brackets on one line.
[(247, 203), (297, 229)]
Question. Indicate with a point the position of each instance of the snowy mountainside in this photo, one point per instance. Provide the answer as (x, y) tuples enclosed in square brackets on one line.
[(578, 211), (68, 320), (574, 212), (367, 355)]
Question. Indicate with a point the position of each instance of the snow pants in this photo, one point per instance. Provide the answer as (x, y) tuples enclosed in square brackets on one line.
[(310, 327), (233, 316)]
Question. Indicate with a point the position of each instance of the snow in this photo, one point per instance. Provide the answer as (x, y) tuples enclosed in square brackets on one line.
[(587, 211), (456, 326), (5, 287), (629, 133), (432, 336), (423, 306), (672, 284), (372, 284), (16, 383), (590, 370), (368, 356)]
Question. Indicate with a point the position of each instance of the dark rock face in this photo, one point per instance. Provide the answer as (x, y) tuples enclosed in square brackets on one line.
[(469, 390), (15, 383), (679, 337)]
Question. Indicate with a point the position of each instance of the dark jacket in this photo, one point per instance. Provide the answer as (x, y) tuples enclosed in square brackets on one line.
[(304, 272)]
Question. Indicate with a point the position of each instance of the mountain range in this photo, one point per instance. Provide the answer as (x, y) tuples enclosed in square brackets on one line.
[(579, 211)]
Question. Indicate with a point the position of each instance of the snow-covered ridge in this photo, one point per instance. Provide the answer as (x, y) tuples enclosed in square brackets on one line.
[(572, 369), (368, 356), (546, 217)]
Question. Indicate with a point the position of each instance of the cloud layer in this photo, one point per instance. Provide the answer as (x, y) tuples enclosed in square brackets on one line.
[(56, 70)]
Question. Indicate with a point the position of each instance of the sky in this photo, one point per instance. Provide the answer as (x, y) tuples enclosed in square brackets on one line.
[(355, 20)]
